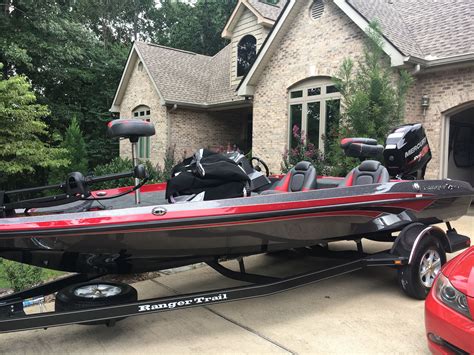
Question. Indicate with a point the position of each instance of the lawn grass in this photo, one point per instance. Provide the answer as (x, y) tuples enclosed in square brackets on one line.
[(46, 275)]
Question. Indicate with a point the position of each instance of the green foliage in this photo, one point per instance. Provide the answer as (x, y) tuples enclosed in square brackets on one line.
[(73, 53), (373, 100), (74, 151), (169, 163), (120, 165), (193, 27), (22, 131), (304, 150), (21, 276), (116, 165)]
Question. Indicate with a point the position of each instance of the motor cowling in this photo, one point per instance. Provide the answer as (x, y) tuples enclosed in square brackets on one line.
[(407, 152)]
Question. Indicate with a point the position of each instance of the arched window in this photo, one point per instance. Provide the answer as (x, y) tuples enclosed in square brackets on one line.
[(314, 110), (143, 112), (246, 54)]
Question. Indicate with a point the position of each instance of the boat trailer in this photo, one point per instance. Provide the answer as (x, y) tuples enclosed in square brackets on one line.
[(13, 317)]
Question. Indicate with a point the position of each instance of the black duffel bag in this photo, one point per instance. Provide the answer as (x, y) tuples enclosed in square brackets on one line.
[(210, 175)]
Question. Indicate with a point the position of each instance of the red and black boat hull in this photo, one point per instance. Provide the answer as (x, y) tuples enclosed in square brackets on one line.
[(156, 237)]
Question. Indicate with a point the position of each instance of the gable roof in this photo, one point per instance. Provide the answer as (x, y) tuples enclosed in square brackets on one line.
[(424, 29), (267, 10), (422, 32), (266, 14), (182, 77)]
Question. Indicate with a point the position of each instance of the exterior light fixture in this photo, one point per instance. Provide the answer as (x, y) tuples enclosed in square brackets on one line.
[(425, 103)]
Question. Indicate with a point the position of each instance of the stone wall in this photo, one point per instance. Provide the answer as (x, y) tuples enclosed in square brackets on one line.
[(191, 130), (310, 48), (140, 91), (447, 89)]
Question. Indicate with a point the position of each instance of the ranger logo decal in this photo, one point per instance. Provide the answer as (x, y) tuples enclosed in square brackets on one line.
[(182, 303)]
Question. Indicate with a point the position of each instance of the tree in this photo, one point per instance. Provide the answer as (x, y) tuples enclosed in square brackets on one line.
[(22, 132), (373, 97), (115, 20), (71, 69), (75, 153), (195, 28)]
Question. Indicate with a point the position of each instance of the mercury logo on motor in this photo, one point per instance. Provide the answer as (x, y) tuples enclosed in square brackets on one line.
[(416, 147)]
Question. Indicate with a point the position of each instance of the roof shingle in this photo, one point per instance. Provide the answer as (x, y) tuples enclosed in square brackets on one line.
[(187, 77), (423, 28), (266, 10)]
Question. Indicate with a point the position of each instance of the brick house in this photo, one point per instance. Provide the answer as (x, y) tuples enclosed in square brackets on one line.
[(277, 71)]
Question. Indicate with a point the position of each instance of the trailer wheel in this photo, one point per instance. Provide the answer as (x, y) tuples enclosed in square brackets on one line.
[(94, 294), (417, 278)]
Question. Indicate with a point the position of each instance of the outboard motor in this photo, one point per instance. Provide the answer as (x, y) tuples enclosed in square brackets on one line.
[(407, 152)]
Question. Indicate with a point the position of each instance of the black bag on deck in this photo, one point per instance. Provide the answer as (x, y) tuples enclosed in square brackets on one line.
[(210, 173)]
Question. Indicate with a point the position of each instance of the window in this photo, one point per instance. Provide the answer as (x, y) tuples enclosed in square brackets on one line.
[(270, 2), (144, 144), (140, 66), (246, 54), (314, 110)]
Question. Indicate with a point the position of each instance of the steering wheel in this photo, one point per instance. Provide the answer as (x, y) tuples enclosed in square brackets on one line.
[(257, 166)]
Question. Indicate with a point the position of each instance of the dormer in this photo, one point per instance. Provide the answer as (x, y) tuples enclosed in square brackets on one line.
[(247, 28)]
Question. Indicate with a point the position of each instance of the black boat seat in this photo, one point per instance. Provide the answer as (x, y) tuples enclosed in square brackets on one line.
[(302, 177), (368, 172), (131, 129)]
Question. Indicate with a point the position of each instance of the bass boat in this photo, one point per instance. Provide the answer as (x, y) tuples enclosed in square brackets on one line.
[(223, 206)]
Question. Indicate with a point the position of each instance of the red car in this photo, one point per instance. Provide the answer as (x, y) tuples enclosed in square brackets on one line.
[(449, 307)]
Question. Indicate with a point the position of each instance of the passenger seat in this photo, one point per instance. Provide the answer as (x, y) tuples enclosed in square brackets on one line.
[(302, 177), (368, 172)]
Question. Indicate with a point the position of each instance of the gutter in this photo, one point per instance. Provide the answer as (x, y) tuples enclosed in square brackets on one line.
[(206, 106), (455, 59)]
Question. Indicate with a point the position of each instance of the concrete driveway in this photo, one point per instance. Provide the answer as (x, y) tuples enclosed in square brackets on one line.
[(363, 312)]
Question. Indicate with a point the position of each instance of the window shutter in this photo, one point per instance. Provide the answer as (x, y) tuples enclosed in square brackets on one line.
[(317, 9)]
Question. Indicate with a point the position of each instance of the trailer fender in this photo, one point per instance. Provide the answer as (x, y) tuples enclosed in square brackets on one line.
[(410, 237)]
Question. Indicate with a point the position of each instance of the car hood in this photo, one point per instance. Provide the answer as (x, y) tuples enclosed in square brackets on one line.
[(460, 272)]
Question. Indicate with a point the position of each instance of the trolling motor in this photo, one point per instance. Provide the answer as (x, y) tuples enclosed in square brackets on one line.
[(133, 130), (76, 187)]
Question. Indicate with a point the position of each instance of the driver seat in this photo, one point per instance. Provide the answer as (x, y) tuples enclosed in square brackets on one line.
[(368, 172), (302, 177)]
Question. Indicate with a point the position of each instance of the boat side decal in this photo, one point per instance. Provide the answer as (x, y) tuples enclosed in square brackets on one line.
[(120, 217)]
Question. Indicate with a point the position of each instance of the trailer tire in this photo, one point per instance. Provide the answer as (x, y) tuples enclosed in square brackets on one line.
[(89, 295), (414, 279)]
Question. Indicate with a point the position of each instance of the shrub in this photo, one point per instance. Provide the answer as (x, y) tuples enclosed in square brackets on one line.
[(372, 103), (115, 166), (373, 97), (74, 151), (169, 163), (121, 165), (302, 151)]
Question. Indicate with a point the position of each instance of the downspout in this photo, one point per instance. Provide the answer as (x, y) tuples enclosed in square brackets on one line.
[(416, 69)]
